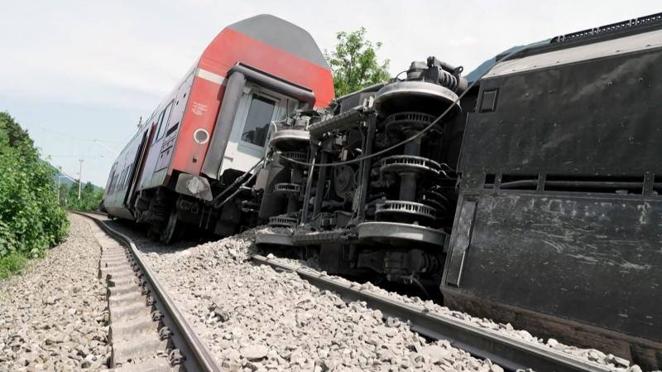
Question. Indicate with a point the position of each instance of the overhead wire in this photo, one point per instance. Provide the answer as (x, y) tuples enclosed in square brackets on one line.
[(68, 135)]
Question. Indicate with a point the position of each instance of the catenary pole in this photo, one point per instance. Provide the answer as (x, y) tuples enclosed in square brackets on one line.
[(80, 177)]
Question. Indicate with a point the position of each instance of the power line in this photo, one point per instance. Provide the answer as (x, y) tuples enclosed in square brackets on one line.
[(87, 156), (68, 135)]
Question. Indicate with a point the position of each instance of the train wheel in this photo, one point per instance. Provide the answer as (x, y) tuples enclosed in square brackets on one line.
[(169, 233)]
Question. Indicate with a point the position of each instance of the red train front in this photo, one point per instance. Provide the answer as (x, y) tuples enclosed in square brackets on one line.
[(184, 163)]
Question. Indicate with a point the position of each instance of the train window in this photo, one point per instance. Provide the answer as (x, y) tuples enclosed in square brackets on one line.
[(129, 168), (290, 107), (172, 129), (111, 179), (115, 181), (258, 119), (109, 187), (118, 183), (163, 121), (126, 175), (157, 126)]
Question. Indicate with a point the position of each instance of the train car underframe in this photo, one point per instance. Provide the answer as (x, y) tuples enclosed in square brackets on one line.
[(354, 199), (170, 214)]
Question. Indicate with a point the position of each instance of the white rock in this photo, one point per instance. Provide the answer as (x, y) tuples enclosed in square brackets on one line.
[(38, 306), (301, 325), (254, 352)]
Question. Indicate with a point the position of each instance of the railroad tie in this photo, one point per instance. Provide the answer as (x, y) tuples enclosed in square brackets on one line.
[(134, 326)]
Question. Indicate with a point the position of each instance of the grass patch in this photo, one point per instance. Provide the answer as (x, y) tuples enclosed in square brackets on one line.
[(11, 264)]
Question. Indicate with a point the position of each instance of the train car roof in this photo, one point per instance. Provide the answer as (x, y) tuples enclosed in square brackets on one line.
[(273, 47), (281, 34)]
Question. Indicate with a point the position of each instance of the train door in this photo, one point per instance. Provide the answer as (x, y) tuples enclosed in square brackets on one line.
[(151, 176), (258, 108), (137, 168)]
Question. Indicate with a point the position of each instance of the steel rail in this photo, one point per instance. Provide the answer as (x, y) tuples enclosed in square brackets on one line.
[(196, 355), (509, 353)]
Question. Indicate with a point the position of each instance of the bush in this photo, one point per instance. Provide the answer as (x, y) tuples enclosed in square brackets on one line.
[(30, 218), (10, 264), (90, 197)]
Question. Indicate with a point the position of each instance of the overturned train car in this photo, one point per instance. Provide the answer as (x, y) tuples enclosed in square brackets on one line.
[(534, 199), (530, 195)]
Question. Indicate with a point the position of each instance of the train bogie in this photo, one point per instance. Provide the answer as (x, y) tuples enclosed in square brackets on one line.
[(374, 177)]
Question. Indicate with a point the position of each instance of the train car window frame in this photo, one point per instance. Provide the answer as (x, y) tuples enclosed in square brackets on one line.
[(116, 178), (111, 179), (241, 154), (282, 105), (251, 110), (126, 176), (163, 120)]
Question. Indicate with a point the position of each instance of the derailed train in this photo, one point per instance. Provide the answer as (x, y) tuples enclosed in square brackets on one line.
[(530, 194)]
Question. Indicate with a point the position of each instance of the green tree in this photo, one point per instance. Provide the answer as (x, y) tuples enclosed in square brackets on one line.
[(30, 218), (354, 62), (90, 197)]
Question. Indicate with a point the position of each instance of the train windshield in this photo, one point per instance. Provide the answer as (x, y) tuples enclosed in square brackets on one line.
[(260, 114)]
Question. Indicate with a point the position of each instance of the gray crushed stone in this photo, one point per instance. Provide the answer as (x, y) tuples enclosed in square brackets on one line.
[(253, 318), (595, 356), (53, 316)]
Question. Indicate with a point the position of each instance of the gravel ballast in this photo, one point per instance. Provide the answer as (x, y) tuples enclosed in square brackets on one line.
[(52, 316), (590, 355), (594, 356), (253, 318)]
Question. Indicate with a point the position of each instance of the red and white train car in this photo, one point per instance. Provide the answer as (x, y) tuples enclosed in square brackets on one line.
[(214, 125)]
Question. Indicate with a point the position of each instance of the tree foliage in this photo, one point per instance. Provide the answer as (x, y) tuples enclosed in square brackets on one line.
[(354, 62), (30, 218), (90, 197)]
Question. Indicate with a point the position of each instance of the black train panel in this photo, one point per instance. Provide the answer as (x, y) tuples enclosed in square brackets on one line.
[(559, 220)]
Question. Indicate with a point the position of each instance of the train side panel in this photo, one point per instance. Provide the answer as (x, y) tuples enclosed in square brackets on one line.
[(198, 122), (560, 212), (183, 145), (122, 176), (167, 121), (277, 60), (228, 49)]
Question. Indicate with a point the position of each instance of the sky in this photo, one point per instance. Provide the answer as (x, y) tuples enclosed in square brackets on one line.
[(79, 74)]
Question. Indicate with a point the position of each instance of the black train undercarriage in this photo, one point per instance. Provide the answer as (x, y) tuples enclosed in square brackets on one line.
[(535, 199), (343, 184)]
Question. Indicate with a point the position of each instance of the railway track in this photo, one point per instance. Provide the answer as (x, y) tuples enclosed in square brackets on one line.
[(508, 352), (512, 354), (147, 331)]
